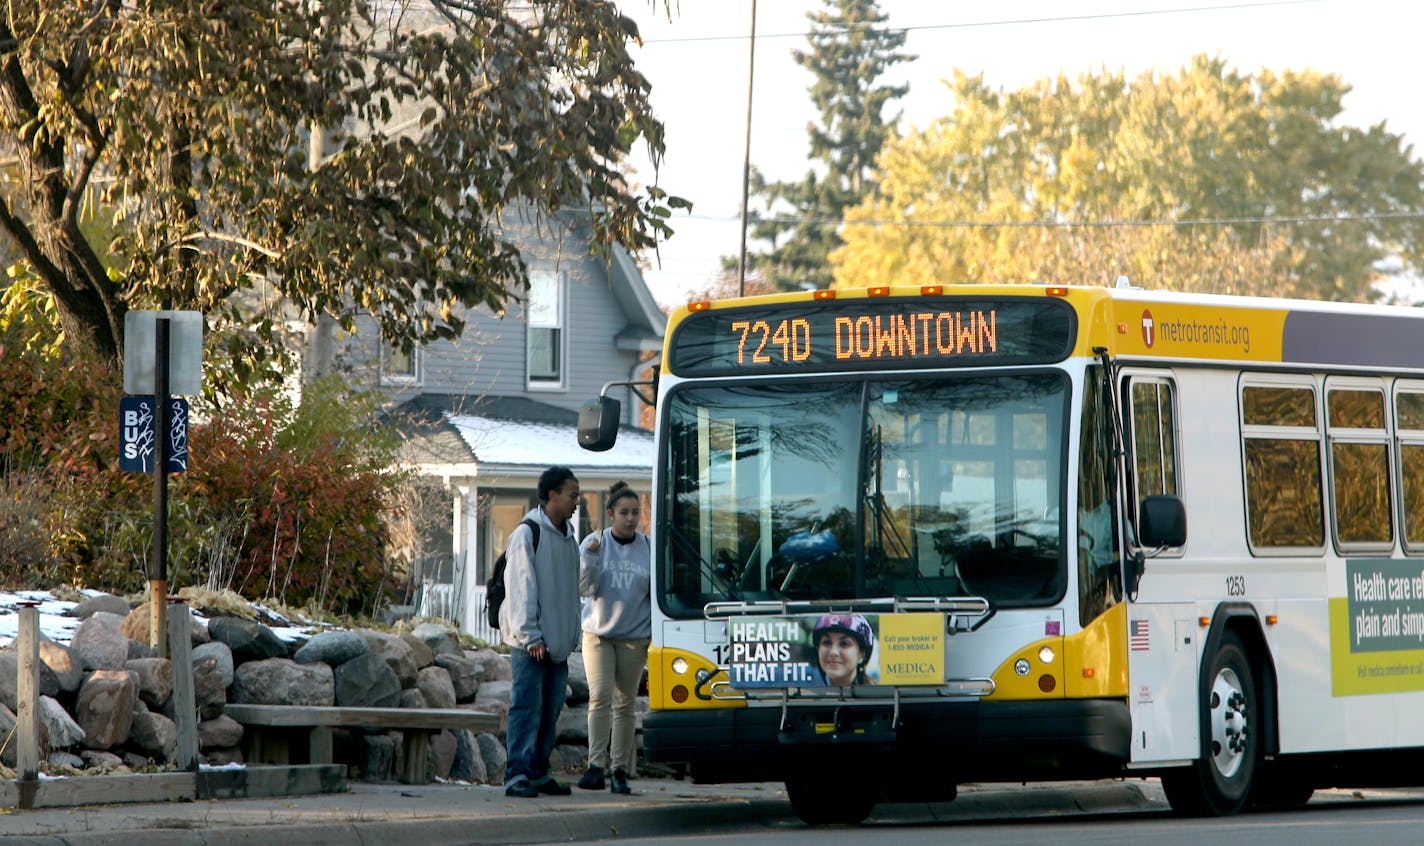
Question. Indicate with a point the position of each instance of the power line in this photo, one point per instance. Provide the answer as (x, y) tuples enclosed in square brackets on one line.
[(1068, 224), (980, 24)]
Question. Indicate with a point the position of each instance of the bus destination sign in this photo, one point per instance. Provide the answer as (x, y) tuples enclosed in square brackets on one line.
[(872, 334)]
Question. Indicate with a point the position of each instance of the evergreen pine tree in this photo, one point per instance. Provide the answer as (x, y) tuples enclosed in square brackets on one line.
[(850, 48)]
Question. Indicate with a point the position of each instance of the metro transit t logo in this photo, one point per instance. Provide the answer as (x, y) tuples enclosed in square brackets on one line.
[(1148, 336)]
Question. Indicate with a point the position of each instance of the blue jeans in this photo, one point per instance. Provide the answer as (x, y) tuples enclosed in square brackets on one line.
[(536, 698)]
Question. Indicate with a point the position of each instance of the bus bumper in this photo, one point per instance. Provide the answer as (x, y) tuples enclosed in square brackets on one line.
[(973, 741)]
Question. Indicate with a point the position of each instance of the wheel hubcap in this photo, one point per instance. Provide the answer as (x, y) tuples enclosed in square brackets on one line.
[(1228, 723)]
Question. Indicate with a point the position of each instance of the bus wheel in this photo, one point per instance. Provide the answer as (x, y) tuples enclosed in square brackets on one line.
[(818, 800), (1219, 782)]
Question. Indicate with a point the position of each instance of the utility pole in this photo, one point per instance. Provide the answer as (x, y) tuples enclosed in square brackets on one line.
[(747, 160)]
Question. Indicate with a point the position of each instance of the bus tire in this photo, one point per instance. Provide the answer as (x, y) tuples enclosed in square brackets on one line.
[(1219, 782), (819, 800)]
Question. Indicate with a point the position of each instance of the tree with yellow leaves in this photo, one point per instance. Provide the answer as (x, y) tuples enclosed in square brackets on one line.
[(1207, 180)]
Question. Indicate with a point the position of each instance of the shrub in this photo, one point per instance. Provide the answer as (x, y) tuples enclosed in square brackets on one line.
[(288, 499)]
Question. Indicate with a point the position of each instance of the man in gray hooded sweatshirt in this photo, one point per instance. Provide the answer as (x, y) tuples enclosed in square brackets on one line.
[(540, 622)]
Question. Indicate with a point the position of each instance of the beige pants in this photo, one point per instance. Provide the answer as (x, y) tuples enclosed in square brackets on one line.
[(614, 666)]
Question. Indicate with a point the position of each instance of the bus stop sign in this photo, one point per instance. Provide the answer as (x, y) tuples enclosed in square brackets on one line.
[(136, 435)]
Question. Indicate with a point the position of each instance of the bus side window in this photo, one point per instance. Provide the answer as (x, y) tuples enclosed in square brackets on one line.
[(1153, 416)]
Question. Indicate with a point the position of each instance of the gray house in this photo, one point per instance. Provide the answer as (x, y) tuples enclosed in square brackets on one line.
[(485, 414)]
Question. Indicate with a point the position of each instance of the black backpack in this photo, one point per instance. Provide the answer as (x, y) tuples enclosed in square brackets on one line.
[(494, 589)]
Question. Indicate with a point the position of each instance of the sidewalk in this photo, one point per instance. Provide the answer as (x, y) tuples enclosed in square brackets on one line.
[(450, 814), (441, 814)]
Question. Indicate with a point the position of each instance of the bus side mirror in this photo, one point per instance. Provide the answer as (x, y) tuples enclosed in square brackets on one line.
[(598, 424), (1162, 522)]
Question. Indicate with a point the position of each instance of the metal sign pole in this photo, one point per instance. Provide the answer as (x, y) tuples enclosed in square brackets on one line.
[(158, 565)]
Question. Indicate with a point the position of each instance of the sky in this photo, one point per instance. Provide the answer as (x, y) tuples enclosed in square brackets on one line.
[(697, 63)]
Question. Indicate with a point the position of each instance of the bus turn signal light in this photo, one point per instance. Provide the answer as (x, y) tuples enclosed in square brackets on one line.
[(679, 693), (1046, 683)]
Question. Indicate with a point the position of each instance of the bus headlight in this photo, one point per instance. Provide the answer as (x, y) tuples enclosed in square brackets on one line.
[(1021, 666), (679, 666), (1045, 655)]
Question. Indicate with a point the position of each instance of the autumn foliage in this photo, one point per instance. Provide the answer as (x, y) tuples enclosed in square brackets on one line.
[(280, 500)]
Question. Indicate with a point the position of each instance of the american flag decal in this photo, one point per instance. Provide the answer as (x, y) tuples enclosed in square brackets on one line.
[(1138, 638)]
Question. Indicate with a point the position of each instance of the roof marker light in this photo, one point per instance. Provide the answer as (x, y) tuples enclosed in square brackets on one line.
[(931, 290), (1056, 291), (701, 305), (878, 291), (825, 294)]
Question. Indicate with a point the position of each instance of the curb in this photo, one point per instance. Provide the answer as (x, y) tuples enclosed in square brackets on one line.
[(574, 824), (376, 818)]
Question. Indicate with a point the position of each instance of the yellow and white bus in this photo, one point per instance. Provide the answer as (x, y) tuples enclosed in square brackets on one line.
[(907, 538)]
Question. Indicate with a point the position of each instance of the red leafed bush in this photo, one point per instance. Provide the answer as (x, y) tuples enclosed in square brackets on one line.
[(306, 485)]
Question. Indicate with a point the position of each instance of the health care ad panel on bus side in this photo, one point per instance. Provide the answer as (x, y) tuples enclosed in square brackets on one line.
[(836, 649), (1377, 628)]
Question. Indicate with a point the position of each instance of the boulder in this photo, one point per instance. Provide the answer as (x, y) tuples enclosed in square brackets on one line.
[(249, 640), (155, 735), (492, 752), (490, 665), (209, 690), (98, 645), (366, 680), (219, 732), (282, 681), (332, 648), (155, 679), (101, 602), (419, 651), (464, 676), (468, 765), (578, 680), (494, 698), (376, 757), (219, 652), (10, 680), (63, 731), (440, 639), (443, 748), (573, 725), (97, 759), (411, 697), (434, 683), (105, 707), (395, 652), (8, 751), (62, 662)]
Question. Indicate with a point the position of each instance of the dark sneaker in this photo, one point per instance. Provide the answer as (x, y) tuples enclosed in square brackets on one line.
[(618, 783), (522, 789), (552, 788), (592, 779)]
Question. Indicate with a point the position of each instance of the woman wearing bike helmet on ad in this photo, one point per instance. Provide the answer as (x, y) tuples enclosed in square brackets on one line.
[(843, 644)]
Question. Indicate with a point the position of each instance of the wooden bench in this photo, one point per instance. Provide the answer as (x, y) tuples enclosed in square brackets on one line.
[(269, 729)]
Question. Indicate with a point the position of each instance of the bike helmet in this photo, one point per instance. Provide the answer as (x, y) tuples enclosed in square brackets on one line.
[(854, 625)]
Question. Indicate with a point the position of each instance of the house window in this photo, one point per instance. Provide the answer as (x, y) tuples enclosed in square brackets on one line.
[(399, 367), (545, 318)]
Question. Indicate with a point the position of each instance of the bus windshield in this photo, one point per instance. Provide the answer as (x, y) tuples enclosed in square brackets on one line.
[(865, 488)]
